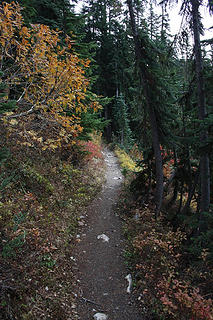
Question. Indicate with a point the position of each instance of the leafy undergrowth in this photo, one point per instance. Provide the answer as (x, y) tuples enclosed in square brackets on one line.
[(172, 282), (91, 148), (43, 195), (169, 284), (127, 163)]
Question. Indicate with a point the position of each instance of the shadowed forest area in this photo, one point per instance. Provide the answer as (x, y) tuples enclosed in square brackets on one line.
[(73, 78)]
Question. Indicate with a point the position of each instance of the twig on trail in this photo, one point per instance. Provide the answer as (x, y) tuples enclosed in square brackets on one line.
[(87, 300), (90, 301)]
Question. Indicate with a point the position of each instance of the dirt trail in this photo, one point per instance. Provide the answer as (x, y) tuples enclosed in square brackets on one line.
[(101, 269)]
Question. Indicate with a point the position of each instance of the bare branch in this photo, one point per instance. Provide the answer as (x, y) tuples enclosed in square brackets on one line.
[(21, 96), (22, 114)]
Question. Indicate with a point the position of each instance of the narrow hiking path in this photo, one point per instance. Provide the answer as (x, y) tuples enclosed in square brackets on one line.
[(101, 270)]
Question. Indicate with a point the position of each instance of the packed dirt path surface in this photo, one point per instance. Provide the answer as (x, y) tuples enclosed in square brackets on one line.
[(101, 271)]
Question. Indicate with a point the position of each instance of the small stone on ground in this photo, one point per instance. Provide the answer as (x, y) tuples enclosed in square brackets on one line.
[(100, 316), (103, 237)]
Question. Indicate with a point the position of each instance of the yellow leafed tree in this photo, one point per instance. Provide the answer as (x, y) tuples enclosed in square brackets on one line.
[(45, 75)]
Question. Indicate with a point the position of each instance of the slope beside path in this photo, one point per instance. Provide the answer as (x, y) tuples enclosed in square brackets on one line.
[(103, 280)]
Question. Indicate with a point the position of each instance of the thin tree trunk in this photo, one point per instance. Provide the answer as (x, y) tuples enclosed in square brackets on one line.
[(151, 112), (181, 197), (175, 194), (151, 17), (191, 192), (204, 160), (176, 186), (149, 180), (162, 22)]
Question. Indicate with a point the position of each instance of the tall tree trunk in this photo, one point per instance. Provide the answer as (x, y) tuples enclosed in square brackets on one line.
[(151, 22), (151, 111), (204, 160)]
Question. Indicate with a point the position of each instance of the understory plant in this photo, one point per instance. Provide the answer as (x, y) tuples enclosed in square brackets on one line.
[(39, 216), (170, 284)]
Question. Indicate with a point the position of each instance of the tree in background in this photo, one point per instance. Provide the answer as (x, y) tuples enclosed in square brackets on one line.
[(104, 26), (192, 10), (204, 159), (121, 120), (145, 64)]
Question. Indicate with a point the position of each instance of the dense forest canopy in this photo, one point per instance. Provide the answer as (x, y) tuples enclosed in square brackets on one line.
[(113, 66)]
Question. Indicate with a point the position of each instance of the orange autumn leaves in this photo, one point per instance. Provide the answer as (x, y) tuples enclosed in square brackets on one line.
[(47, 74)]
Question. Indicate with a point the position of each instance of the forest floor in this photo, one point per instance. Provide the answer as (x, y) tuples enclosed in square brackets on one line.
[(102, 277)]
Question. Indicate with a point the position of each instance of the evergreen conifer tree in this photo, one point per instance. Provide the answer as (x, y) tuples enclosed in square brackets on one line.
[(121, 122)]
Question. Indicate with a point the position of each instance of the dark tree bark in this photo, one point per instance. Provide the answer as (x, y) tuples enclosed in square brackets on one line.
[(191, 192), (204, 159), (152, 116)]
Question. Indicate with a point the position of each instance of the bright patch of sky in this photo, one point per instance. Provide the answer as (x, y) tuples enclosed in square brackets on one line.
[(176, 18)]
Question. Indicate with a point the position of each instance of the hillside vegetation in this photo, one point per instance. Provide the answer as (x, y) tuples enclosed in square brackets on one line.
[(42, 201)]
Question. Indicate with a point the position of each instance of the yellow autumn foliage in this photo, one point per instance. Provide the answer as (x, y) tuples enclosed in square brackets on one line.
[(50, 74), (126, 162)]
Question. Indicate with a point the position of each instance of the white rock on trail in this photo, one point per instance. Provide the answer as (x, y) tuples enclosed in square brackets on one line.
[(100, 316), (129, 279), (103, 237)]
